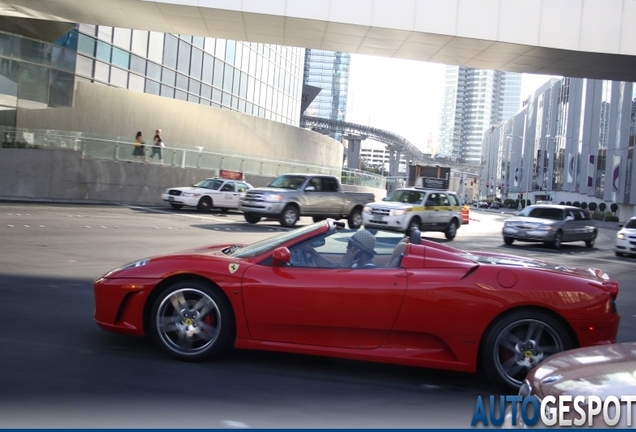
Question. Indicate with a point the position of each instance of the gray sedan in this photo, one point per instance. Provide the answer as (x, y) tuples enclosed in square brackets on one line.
[(550, 224)]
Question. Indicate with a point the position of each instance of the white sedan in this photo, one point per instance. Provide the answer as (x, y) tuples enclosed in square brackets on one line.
[(626, 239), (210, 193)]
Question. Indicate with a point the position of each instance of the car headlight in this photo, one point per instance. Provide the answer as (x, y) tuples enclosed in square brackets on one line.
[(140, 263), (190, 194), (620, 235), (273, 198), (366, 209), (545, 227), (398, 212)]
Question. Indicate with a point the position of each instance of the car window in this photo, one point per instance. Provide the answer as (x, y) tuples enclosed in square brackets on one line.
[(443, 200), (546, 213), (433, 199), (316, 184), (329, 184), (630, 224), (288, 182), (453, 200), (241, 187), (228, 187)]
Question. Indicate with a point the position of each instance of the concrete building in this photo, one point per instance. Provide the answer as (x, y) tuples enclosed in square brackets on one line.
[(573, 142), (474, 99)]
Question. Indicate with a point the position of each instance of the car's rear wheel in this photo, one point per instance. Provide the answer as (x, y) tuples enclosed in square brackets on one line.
[(176, 206), (517, 343), (590, 243), (451, 230), (355, 219), (250, 218), (413, 224), (556, 243), (191, 321), (289, 216), (508, 240), (205, 204)]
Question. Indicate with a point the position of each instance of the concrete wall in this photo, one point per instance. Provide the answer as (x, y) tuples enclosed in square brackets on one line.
[(114, 112), (60, 175)]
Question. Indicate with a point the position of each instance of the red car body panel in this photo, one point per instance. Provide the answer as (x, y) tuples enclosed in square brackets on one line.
[(432, 311)]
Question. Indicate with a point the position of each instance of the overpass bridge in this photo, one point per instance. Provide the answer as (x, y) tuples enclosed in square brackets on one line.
[(397, 145)]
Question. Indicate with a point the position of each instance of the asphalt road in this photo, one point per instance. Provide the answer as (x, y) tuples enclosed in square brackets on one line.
[(58, 369)]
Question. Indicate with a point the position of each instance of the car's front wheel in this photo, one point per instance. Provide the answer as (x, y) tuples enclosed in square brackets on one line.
[(556, 243), (250, 218), (191, 321), (517, 343), (205, 204), (289, 216), (355, 219), (508, 240), (590, 242)]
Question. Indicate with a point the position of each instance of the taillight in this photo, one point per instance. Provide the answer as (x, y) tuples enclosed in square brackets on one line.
[(611, 287)]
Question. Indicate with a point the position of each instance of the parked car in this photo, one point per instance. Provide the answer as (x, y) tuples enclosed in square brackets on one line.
[(408, 208), (626, 239), (291, 196), (423, 303), (207, 194), (603, 371), (482, 204), (494, 205), (550, 224)]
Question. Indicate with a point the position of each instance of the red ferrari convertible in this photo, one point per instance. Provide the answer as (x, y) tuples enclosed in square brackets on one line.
[(414, 302)]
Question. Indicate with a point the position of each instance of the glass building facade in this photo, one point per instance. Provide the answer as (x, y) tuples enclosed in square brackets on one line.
[(573, 142), (257, 79), (474, 99), (328, 71)]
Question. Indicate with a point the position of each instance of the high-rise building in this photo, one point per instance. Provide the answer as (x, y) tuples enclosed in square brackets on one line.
[(328, 71), (474, 99), (254, 78)]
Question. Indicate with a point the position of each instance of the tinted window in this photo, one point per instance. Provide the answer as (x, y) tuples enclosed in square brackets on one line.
[(630, 224), (546, 213), (228, 187), (453, 200), (329, 184)]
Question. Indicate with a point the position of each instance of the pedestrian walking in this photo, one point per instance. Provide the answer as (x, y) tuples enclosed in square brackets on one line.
[(157, 147), (140, 149)]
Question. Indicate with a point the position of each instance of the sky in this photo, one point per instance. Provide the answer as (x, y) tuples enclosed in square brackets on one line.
[(404, 96)]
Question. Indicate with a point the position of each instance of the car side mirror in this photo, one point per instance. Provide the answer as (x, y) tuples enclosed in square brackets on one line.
[(310, 189), (281, 256)]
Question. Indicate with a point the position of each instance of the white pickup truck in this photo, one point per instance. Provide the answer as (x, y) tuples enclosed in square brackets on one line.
[(293, 195)]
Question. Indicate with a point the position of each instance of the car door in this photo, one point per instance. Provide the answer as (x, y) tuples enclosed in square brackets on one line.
[(230, 196), (330, 307), (430, 218), (569, 226), (322, 197)]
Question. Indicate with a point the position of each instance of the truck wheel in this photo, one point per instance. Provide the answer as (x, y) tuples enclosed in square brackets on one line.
[(250, 218), (355, 219), (451, 230), (289, 216)]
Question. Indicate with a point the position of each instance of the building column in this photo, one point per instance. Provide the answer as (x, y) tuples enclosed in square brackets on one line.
[(394, 162)]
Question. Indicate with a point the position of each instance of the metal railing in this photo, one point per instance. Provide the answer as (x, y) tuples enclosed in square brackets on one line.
[(178, 155)]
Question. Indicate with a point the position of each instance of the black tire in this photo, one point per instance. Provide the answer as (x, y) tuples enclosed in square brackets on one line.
[(556, 243), (508, 240), (619, 254), (414, 223), (590, 243), (355, 219), (451, 230), (205, 204), (191, 321), (518, 342), (176, 206), (250, 218), (289, 216)]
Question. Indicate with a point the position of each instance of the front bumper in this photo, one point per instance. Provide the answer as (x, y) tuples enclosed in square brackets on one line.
[(181, 200), (394, 223), (120, 303), (529, 234), (262, 208), (625, 246)]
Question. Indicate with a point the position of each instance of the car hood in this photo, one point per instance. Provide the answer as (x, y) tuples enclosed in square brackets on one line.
[(603, 371), (391, 204), (189, 189), (269, 190)]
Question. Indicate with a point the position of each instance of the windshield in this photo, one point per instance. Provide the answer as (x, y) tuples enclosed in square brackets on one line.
[(288, 182), (213, 184), (272, 243), (630, 224), (406, 196)]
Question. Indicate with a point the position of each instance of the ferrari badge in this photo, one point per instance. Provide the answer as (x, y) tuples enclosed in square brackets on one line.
[(233, 267)]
